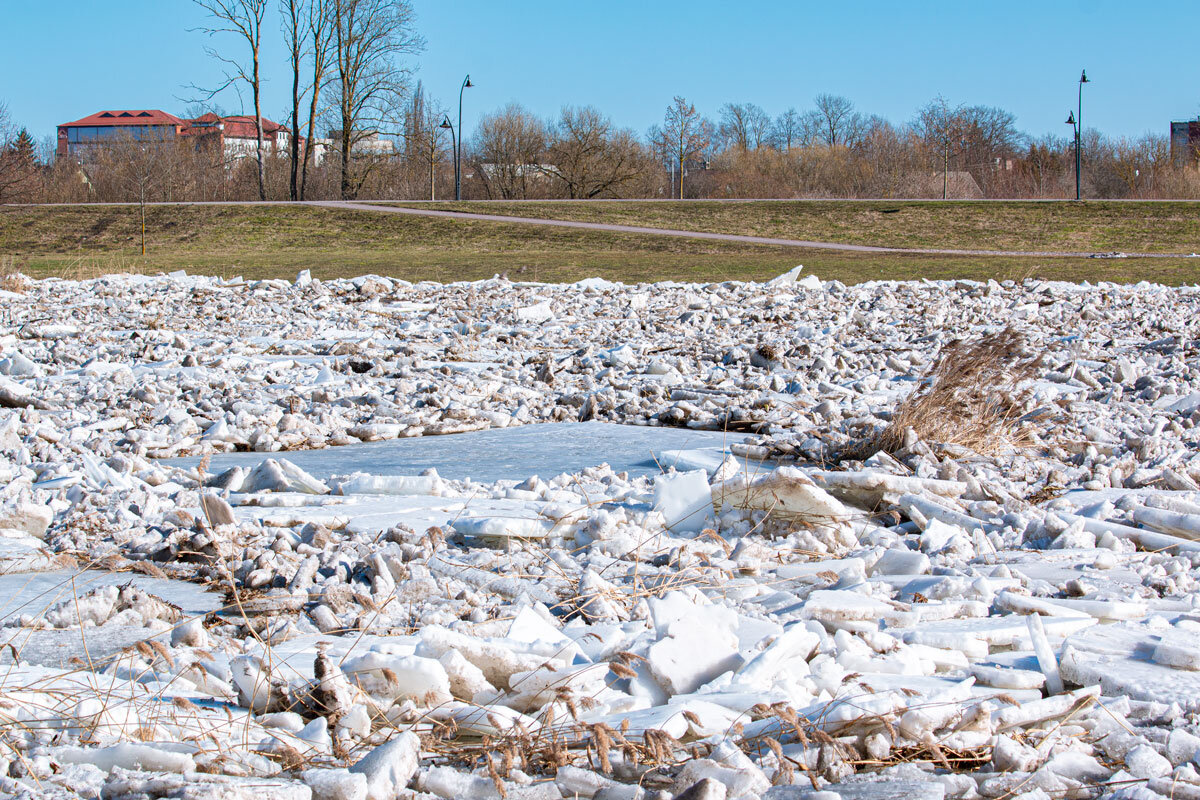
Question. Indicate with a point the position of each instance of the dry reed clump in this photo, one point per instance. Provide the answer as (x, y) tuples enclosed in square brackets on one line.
[(11, 278), (973, 397)]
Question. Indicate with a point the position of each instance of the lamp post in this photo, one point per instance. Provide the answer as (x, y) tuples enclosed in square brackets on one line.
[(466, 84), (1076, 121), (446, 125)]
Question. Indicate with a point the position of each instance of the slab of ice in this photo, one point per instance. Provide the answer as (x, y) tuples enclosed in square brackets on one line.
[(880, 790), (499, 454), (539, 312), (1121, 659), (685, 500)]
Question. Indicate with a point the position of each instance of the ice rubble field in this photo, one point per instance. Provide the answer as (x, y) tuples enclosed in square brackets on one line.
[(194, 607)]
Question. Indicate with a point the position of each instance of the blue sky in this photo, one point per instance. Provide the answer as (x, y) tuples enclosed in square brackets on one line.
[(67, 59)]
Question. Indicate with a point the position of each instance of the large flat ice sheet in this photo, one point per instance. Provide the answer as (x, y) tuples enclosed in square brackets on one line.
[(498, 454)]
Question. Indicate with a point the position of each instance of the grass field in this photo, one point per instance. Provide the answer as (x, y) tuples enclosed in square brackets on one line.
[(1094, 226), (276, 241)]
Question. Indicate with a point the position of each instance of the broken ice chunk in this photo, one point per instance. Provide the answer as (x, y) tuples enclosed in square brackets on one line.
[(788, 491), (282, 476), (685, 501)]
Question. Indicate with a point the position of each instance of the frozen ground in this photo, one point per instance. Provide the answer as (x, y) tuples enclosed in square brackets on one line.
[(367, 539)]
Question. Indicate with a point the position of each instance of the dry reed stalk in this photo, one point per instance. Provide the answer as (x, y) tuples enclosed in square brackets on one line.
[(973, 398)]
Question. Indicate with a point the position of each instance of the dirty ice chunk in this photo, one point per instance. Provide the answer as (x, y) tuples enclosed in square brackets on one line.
[(502, 527), (1007, 677), (883, 790), (216, 510), (788, 491), (18, 366), (30, 518), (127, 755), (834, 605), (388, 675), (532, 315), (1037, 710)]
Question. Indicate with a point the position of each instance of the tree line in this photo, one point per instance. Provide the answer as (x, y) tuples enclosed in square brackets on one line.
[(352, 77)]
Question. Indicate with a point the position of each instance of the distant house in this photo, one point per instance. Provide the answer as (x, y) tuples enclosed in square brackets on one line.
[(235, 137), (367, 143), (82, 137), (958, 185), (1185, 142)]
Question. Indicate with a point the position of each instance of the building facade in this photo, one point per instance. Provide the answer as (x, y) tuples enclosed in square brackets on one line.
[(235, 137), (1185, 142), (81, 138)]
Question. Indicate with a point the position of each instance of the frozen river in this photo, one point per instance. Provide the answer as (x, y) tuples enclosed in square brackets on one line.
[(504, 453)]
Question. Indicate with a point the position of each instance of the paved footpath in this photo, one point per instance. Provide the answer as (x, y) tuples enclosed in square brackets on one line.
[(351, 205), (726, 237)]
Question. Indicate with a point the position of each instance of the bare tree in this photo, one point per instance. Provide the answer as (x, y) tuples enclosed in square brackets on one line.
[(785, 131), (590, 156), (369, 38), (974, 138), (684, 135), (135, 168), (744, 126), (242, 18), (293, 14), (937, 124), (424, 138), (320, 36), (837, 117), (508, 146)]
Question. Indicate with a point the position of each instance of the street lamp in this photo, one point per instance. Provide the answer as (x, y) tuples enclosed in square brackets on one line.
[(1075, 130), (466, 84), (446, 126), (1076, 121)]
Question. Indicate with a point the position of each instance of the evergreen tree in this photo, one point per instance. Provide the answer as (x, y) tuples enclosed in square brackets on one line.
[(23, 148)]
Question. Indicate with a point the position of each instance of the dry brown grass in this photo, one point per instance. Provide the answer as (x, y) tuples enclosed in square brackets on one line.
[(972, 398), (11, 279)]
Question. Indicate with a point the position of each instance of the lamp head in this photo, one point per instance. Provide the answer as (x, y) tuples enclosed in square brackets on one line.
[(468, 84), (1071, 118), (446, 124), (1083, 78)]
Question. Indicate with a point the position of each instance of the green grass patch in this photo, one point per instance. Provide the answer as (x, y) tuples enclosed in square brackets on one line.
[(1090, 227), (278, 241)]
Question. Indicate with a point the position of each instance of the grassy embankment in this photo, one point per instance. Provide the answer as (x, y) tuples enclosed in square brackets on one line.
[(276, 241)]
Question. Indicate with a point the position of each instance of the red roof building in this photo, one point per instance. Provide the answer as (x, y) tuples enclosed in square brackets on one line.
[(238, 136), (234, 136), (79, 137)]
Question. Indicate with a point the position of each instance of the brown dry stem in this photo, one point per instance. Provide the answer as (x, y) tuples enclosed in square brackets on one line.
[(973, 398)]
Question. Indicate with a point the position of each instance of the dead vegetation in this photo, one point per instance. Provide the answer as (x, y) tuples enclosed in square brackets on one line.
[(11, 279), (972, 398)]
